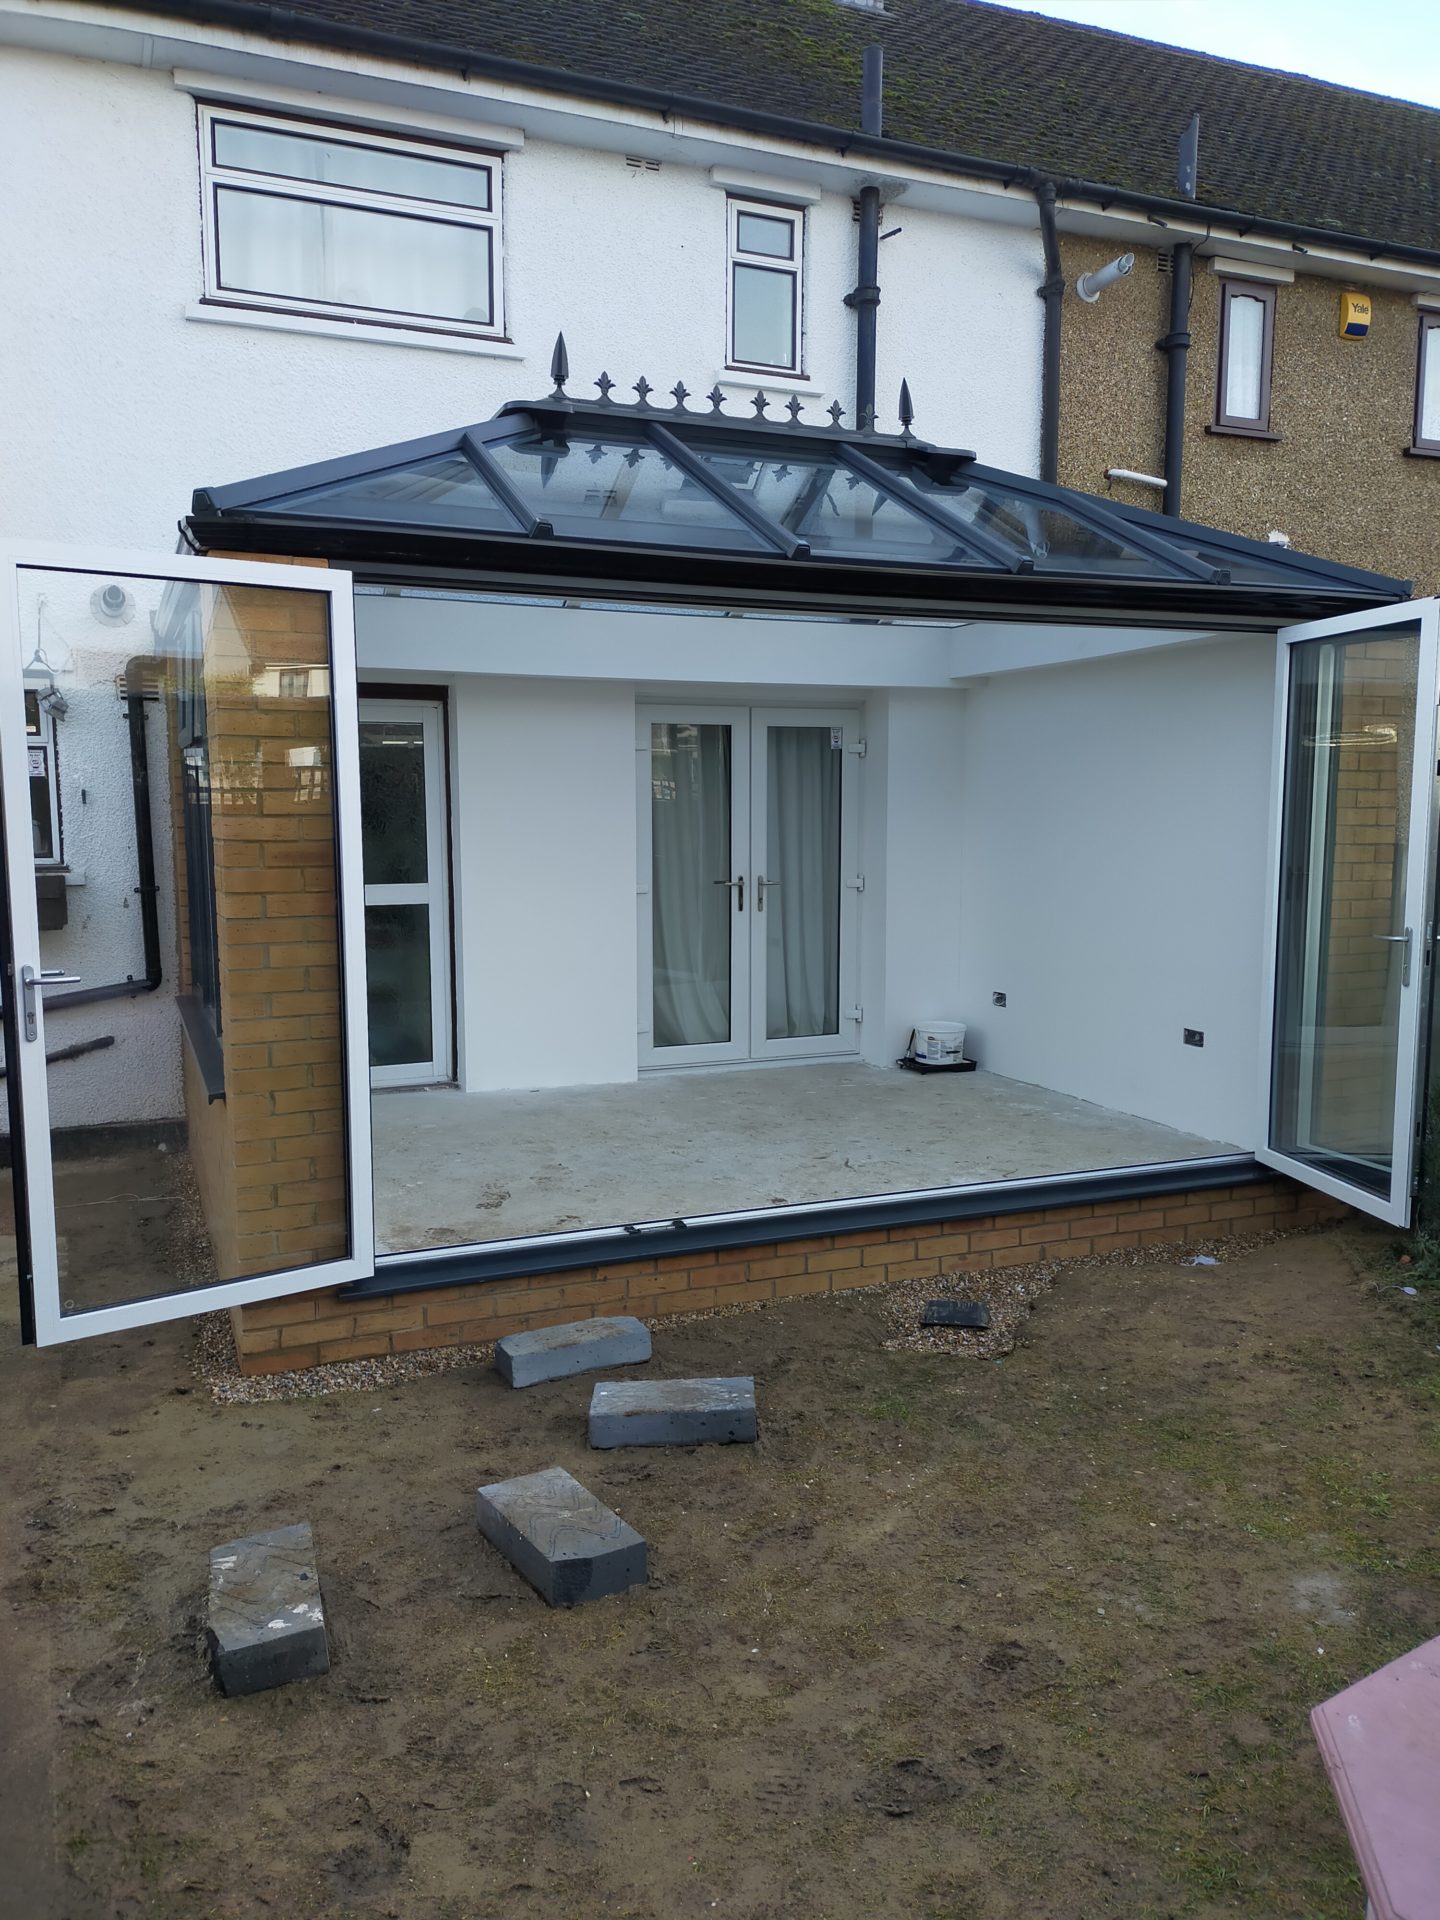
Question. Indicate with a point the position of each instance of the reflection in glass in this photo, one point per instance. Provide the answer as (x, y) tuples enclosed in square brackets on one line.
[(1342, 953), (610, 490), (442, 491), (397, 960), (802, 883), (763, 316), (346, 163), (835, 510), (1036, 529), (393, 824), (691, 902)]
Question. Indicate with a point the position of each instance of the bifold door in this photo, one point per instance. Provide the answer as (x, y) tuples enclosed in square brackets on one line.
[(184, 977), (1352, 959)]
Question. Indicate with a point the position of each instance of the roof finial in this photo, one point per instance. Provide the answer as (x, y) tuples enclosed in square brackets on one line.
[(907, 410), (559, 367)]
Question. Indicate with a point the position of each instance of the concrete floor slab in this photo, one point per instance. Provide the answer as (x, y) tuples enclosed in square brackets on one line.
[(456, 1168)]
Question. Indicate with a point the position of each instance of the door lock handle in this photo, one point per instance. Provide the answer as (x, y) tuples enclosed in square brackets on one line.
[(738, 883), (761, 883), (31, 981), (1398, 940)]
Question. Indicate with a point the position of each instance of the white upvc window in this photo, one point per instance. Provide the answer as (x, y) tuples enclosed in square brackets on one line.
[(765, 295), (40, 744), (343, 224)]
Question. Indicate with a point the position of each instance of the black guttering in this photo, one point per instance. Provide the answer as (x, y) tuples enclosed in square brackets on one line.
[(280, 23), (1176, 343), (1052, 291), (865, 300), (461, 1266)]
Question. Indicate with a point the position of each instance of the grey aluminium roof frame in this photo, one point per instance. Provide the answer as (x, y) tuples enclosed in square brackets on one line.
[(485, 499)]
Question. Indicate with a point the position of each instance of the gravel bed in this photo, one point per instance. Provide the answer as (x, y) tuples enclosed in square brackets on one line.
[(1011, 1294)]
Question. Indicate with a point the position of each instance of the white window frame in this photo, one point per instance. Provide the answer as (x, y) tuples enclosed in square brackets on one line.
[(735, 255), (213, 176)]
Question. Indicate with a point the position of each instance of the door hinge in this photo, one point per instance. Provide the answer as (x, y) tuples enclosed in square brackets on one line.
[(857, 1014), (857, 885), (858, 749)]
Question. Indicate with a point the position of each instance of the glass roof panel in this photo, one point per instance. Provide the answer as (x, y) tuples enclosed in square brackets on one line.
[(443, 491), (618, 490), (1037, 529), (835, 510), (1251, 568)]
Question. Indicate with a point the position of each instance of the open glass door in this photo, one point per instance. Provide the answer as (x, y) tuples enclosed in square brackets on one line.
[(184, 979), (1353, 937)]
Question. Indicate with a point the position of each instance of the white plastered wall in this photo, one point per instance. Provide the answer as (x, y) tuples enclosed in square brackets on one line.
[(1112, 868)]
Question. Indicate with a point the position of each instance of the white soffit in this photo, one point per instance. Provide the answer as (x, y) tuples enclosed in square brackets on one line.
[(335, 107), (991, 647), (766, 186), (1252, 270)]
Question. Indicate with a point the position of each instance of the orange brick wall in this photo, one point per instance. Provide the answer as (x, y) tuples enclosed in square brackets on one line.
[(310, 1329)]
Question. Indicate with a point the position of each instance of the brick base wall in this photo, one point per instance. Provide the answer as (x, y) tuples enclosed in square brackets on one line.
[(310, 1329)]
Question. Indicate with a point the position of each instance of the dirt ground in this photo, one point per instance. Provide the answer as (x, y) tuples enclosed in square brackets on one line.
[(957, 1640)]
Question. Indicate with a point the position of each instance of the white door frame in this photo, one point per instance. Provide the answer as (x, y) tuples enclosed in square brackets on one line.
[(28, 1057), (433, 892), (1396, 1205), (846, 1039), (737, 1047)]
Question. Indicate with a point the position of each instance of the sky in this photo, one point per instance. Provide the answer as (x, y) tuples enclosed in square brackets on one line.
[(1385, 46)]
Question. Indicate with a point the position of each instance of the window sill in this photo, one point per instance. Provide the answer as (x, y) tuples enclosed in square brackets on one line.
[(1243, 433), (1421, 453), (273, 320), (205, 1048), (754, 382)]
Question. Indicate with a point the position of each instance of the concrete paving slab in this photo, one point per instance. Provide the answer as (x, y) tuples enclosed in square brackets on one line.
[(266, 1622), (581, 1346), (672, 1413), (559, 1537)]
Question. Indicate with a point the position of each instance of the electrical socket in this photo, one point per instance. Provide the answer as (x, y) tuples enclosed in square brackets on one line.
[(997, 999), (1194, 1037)]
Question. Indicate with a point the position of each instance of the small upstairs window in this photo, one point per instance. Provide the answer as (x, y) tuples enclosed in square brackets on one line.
[(766, 270), (347, 225), (1247, 340), (1427, 386)]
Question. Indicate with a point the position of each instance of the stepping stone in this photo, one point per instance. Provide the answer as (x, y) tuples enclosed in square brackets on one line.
[(525, 1359), (266, 1624), (560, 1538), (671, 1413), (955, 1313)]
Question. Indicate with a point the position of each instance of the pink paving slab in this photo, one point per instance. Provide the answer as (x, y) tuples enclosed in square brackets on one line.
[(1380, 1741)]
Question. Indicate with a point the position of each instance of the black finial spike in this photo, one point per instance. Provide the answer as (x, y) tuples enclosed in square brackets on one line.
[(794, 408), (681, 393), (606, 386), (716, 398), (559, 367), (907, 409), (643, 389), (836, 412), (760, 403)]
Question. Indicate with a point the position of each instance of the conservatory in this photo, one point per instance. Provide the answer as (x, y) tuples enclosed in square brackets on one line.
[(579, 840)]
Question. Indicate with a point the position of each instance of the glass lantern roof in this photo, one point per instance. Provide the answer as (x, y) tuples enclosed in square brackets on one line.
[(694, 497)]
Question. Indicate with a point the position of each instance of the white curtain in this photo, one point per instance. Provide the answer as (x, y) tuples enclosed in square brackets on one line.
[(690, 772), (1244, 354), (802, 912)]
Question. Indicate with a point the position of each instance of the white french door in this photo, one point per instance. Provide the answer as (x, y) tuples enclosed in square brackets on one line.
[(748, 888), (1353, 853), (186, 1087), (407, 890)]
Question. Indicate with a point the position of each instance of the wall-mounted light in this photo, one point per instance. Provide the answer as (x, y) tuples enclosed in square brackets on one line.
[(1090, 286)]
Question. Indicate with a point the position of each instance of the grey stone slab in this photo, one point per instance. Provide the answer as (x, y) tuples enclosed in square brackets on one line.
[(955, 1313), (266, 1621), (560, 1538), (551, 1353), (671, 1413)]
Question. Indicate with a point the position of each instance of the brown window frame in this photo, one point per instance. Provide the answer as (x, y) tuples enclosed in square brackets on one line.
[(1428, 341), (1259, 427)]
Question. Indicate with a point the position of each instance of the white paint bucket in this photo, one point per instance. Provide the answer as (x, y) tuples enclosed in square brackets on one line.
[(938, 1043)]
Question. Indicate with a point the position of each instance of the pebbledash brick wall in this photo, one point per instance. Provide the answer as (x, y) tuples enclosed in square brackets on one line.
[(310, 1329)]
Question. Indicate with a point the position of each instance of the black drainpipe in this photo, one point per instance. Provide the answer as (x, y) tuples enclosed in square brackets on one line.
[(866, 297), (144, 862), (1176, 344), (1052, 291)]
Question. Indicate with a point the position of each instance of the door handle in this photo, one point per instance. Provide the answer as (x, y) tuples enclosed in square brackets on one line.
[(31, 981), (761, 883), (738, 883), (1398, 940)]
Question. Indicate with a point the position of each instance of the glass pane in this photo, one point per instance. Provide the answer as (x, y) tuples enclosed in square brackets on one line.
[(393, 825), (835, 510), (353, 257), (194, 754), (1244, 355), (42, 819), (341, 163), (691, 904), (802, 882), (1430, 383), (1036, 529), (762, 318), (763, 233), (607, 490), (397, 959), (1341, 955), (444, 491)]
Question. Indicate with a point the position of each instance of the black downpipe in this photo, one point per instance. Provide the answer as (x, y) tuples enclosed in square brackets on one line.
[(1176, 344), (866, 297), (131, 988), (1052, 291)]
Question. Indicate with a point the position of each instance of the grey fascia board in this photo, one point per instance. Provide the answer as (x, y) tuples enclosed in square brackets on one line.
[(322, 473), (1311, 566)]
